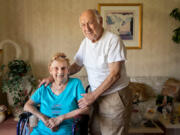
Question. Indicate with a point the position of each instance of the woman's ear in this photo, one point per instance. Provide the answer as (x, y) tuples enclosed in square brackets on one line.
[(49, 68)]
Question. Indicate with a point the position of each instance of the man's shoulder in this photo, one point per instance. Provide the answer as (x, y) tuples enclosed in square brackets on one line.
[(84, 43), (84, 40), (110, 35)]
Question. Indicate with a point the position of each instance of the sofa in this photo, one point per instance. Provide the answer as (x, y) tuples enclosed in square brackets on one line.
[(8, 127)]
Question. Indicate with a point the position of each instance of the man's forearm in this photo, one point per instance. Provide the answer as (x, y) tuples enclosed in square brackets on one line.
[(74, 68), (114, 75), (108, 82)]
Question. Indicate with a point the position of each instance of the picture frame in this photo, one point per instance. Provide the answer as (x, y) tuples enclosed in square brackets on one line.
[(124, 20)]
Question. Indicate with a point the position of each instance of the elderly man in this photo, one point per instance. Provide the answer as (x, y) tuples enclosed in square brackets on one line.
[(103, 55)]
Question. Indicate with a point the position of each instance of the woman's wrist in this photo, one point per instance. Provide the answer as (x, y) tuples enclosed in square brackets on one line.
[(41, 117), (62, 117)]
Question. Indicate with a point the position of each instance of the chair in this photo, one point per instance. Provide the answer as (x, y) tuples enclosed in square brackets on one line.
[(80, 123), (22, 127)]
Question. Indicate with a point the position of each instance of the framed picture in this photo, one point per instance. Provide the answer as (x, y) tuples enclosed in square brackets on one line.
[(123, 20)]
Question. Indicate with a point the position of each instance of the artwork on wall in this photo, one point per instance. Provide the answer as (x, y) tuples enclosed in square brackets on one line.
[(123, 20)]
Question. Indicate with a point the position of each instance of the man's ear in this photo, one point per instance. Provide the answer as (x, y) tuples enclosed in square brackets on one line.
[(101, 20)]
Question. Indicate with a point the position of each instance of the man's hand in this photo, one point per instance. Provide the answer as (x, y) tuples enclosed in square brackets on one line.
[(114, 75), (87, 100), (46, 81)]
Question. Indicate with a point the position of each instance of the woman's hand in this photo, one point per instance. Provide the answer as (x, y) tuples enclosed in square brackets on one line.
[(55, 128), (46, 81), (45, 120), (54, 122)]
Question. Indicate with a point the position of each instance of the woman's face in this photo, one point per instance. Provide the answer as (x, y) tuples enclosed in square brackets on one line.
[(59, 71)]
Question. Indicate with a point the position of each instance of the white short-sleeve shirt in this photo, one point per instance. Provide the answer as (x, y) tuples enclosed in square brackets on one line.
[(95, 57)]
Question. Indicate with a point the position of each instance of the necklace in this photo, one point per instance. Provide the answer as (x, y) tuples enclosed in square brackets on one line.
[(58, 87)]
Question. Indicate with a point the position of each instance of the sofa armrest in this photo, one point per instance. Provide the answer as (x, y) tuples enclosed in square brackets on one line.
[(8, 127)]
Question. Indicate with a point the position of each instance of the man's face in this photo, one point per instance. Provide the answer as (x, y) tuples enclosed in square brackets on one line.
[(90, 27)]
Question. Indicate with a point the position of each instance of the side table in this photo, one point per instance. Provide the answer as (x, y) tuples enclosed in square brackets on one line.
[(169, 128), (142, 130)]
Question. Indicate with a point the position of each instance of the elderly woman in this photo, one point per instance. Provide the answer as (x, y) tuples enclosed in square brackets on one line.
[(58, 101)]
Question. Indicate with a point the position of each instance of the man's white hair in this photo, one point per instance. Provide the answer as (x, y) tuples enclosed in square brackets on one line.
[(97, 15)]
